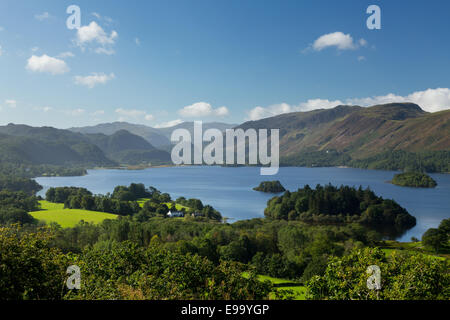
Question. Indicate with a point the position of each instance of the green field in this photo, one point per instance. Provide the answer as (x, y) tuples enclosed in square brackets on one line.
[(178, 206), (391, 246), (299, 291), (66, 218)]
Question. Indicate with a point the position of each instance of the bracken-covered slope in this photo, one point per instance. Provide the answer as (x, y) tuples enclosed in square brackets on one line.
[(360, 132)]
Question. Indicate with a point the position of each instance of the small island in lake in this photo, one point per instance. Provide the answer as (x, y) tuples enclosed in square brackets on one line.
[(414, 179), (270, 186)]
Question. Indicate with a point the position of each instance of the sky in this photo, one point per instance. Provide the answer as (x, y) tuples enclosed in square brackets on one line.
[(159, 63)]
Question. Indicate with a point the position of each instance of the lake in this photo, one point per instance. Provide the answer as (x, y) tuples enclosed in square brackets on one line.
[(229, 190)]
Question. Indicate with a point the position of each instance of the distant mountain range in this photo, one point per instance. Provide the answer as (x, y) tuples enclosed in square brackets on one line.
[(158, 137), (391, 136)]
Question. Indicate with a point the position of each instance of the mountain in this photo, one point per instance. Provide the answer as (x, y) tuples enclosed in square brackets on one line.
[(158, 137), (148, 133), (167, 132), (46, 145), (127, 148), (343, 134)]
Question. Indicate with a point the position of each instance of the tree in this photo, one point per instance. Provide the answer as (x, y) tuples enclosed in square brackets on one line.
[(30, 267), (404, 276), (434, 238)]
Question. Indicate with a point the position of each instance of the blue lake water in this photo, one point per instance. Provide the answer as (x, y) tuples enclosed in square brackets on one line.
[(229, 190)]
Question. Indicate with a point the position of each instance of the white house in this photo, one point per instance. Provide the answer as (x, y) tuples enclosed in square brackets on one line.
[(175, 214)]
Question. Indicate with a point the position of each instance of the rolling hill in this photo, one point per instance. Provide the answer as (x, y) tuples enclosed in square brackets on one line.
[(150, 134), (157, 137), (46, 145), (344, 134), (127, 148)]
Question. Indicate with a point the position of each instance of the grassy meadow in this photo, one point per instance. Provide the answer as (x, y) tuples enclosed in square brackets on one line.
[(67, 218), (298, 291)]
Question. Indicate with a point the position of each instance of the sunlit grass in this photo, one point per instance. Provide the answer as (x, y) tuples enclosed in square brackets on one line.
[(67, 218)]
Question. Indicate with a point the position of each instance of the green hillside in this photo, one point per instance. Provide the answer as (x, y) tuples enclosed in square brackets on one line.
[(68, 218), (127, 148), (31, 145), (354, 136)]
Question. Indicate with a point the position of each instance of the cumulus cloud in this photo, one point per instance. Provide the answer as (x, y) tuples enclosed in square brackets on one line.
[(1, 51), (93, 79), (169, 124), (126, 114), (338, 40), (203, 109), (431, 100), (94, 34), (47, 64), (270, 111)]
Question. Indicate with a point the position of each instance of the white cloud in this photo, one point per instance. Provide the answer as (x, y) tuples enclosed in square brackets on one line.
[(34, 49), (2, 29), (66, 54), (361, 58), (270, 111), (431, 100), (44, 109), (203, 109), (107, 51), (106, 19), (1, 51), (98, 113), (169, 124), (76, 112), (137, 41), (47, 64), (94, 34), (363, 42), (313, 104), (11, 103), (93, 79), (43, 16), (134, 114), (337, 39)]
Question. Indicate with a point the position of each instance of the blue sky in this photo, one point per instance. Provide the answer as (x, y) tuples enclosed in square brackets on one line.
[(162, 62)]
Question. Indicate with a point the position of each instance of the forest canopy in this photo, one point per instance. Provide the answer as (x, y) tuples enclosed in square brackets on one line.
[(329, 204)]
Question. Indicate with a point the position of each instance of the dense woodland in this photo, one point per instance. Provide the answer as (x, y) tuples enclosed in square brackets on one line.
[(427, 161), (270, 186), (414, 179), (123, 202), (329, 204)]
